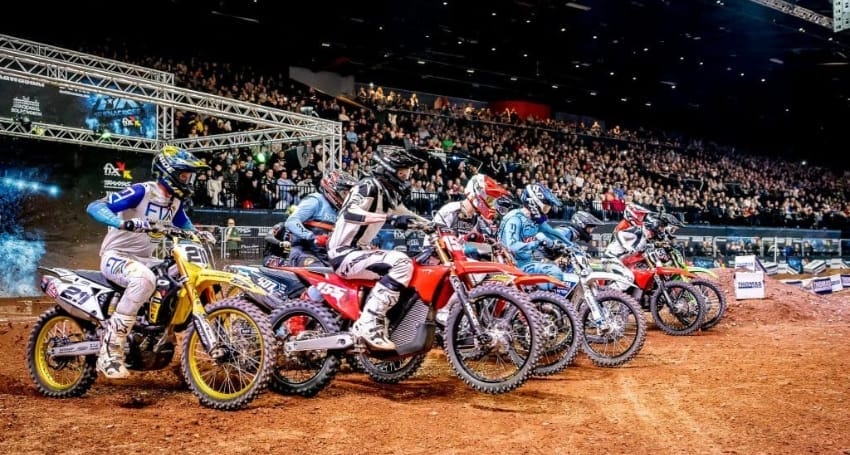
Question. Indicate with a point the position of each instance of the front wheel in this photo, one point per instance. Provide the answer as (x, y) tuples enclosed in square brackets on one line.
[(619, 335), (238, 367), (60, 377), (680, 314), (502, 355), (303, 373), (715, 301)]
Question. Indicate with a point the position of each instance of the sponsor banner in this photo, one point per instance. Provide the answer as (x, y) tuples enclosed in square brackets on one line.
[(795, 263), (815, 267), (822, 285), (749, 285), (835, 281), (116, 177), (845, 281), (795, 283), (43, 103)]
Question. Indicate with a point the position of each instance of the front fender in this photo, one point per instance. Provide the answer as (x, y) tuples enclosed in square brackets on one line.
[(536, 279), (209, 277), (702, 271), (608, 277)]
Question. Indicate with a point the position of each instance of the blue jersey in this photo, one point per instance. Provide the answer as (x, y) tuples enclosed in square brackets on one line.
[(143, 200), (314, 207), (518, 231)]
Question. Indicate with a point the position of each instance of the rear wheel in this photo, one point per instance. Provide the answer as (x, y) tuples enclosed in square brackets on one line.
[(303, 373), (560, 329), (389, 371), (503, 354), (60, 377)]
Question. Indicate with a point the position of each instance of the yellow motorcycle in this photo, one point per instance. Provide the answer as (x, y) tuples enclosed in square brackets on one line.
[(227, 349)]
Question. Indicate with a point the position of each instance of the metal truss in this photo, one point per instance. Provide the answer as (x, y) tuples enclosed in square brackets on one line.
[(80, 136), (243, 139), (59, 54), (80, 72), (79, 77), (798, 12)]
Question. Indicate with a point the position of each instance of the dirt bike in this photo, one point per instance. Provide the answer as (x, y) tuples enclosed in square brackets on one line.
[(614, 330), (494, 327), (677, 307), (561, 336), (703, 280), (227, 347)]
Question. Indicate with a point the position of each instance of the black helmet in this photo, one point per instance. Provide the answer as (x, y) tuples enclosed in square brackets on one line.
[(389, 159), (582, 220)]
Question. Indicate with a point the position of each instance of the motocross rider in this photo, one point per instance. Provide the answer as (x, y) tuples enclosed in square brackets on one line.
[(630, 237), (373, 201), (472, 217), (525, 229), (127, 248), (308, 226)]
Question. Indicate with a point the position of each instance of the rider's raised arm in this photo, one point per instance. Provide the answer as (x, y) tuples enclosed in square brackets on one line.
[(308, 209), (106, 210), (361, 205)]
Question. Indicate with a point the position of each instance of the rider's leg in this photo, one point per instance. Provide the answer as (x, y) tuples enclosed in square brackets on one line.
[(139, 282), (394, 271), (613, 265)]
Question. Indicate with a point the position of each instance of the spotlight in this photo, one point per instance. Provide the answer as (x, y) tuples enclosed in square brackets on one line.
[(102, 133)]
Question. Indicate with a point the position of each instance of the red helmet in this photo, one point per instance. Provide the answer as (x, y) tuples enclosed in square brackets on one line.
[(335, 186), (635, 214), (482, 192)]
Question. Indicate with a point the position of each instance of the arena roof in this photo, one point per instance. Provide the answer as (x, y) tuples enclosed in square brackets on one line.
[(730, 69)]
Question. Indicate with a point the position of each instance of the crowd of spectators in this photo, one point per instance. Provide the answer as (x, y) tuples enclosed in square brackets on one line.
[(586, 166)]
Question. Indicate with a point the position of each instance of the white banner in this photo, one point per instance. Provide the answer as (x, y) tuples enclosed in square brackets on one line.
[(821, 285), (749, 285), (746, 263)]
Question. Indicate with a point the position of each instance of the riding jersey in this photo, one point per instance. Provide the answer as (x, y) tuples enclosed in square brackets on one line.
[(313, 208), (363, 214), (626, 242), (146, 200), (451, 216), (517, 233)]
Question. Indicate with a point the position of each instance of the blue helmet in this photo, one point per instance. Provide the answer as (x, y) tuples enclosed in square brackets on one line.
[(538, 199), (169, 167)]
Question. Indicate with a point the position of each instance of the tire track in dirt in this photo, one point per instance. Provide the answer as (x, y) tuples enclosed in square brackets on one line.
[(666, 422)]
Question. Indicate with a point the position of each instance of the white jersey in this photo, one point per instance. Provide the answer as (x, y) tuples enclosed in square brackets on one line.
[(626, 242), (143, 200), (362, 216)]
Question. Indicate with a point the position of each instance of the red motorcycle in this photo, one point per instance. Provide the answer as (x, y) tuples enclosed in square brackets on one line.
[(492, 338), (677, 307)]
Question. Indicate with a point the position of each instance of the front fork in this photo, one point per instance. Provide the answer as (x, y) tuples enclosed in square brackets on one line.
[(463, 297)]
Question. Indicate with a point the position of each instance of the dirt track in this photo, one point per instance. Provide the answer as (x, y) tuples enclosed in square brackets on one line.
[(771, 378)]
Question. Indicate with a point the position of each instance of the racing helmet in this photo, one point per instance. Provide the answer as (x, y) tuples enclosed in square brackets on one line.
[(482, 192), (176, 169), (539, 200), (334, 185)]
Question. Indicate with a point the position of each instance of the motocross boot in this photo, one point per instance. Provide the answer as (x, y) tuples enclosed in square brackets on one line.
[(372, 324), (110, 360)]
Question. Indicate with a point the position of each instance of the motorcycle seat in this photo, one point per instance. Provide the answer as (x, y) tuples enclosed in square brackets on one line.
[(97, 277)]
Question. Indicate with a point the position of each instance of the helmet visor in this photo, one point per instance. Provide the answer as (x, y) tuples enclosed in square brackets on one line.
[(186, 178)]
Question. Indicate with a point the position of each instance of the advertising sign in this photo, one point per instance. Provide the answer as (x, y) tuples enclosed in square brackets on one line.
[(55, 105)]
